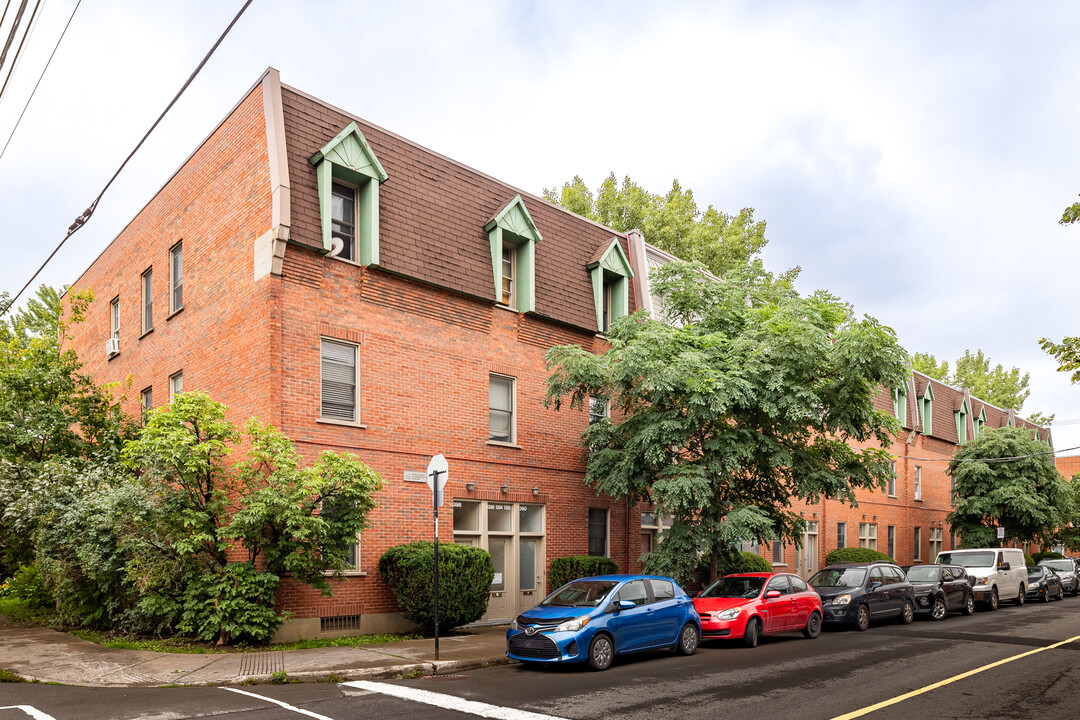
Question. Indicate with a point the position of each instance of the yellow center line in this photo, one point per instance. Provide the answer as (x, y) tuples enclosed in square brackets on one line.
[(947, 681)]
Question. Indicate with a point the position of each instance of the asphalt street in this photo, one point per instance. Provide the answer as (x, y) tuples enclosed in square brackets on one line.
[(841, 672)]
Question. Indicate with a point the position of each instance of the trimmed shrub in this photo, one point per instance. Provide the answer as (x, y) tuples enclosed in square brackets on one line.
[(738, 562), (1035, 558), (465, 575), (854, 554), (565, 569)]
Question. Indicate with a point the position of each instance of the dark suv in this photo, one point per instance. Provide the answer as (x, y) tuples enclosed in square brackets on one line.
[(855, 593), (940, 589), (1067, 571)]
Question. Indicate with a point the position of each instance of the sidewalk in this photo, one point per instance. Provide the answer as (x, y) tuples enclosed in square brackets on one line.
[(50, 656)]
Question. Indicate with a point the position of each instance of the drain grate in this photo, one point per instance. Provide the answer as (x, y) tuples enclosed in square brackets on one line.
[(443, 677)]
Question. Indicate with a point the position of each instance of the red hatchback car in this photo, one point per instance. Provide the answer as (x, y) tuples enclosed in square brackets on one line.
[(749, 605)]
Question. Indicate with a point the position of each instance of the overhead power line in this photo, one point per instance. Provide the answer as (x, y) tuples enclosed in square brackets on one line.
[(14, 30), (4, 150), (987, 460), (82, 219), (18, 51)]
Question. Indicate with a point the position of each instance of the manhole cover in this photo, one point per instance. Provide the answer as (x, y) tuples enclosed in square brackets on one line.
[(444, 677)]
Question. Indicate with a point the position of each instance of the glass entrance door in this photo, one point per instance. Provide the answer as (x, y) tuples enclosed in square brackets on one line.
[(808, 553)]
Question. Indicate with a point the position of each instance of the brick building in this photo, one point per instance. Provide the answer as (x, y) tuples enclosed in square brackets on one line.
[(366, 294)]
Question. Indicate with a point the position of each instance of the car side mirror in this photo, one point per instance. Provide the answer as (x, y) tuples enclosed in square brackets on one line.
[(625, 605), (770, 594), (874, 585), (1004, 566)]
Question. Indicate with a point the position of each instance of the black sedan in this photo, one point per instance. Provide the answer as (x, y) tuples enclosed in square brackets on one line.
[(940, 589), (1066, 570), (1043, 584)]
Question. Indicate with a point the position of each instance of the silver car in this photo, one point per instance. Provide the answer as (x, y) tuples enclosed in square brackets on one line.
[(1067, 571)]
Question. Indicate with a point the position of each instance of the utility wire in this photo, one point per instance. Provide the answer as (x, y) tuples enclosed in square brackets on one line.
[(82, 219), (4, 16), (14, 29), (4, 150), (987, 460), (18, 51)]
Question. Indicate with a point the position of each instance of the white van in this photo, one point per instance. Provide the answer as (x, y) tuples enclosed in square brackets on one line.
[(998, 573)]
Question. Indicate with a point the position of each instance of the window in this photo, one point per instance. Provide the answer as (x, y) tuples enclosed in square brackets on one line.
[(500, 408), (777, 552), (509, 257), (798, 585), (343, 219), (918, 543), (148, 301), (512, 235), (352, 560), (114, 319), (146, 400), (892, 480), (634, 591), (176, 385), (338, 387), (952, 541), (961, 423), (899, 398), (662, 590), (652, 528), (611, 274), (176, 278), (332, 508), (890, 543), (598, 409), (935, 544), (978, 424), (928, 410), (349, 176), (598, 532), (918, 483), (868, 535), (841, 534), (952, 489), (780, 583)]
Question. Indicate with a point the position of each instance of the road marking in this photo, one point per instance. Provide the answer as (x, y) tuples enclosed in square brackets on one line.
[(947, 681), (449, 702), (287, 706), (31, 711)]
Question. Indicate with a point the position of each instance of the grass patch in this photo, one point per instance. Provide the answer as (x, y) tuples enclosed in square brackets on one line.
[(350, 641), (281, 678), (19, 612), (127, 642), (6, 676)]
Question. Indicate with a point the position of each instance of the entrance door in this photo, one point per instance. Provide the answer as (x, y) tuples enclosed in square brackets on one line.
[(530, 572), (499, 604), (807, 563)]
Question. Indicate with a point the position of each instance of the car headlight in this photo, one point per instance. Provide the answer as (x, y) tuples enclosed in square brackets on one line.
[(573, 625), (729, 614), (514, 624), (981, 581), (1037, 584), (841, 599)]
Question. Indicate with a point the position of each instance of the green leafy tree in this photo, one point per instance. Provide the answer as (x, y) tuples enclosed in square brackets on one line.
[(1027, 496), (752, 397), (671, 221), (1071, 214), (927, 364)]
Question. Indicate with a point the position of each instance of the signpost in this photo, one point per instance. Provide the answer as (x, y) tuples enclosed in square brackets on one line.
[(437, 473), (1000, 533)]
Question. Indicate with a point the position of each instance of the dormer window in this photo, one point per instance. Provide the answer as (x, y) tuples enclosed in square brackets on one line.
[(513, 237), (349, 176), (961, 423), (978, 424), (509, 262), (899, 400), (611, 273), (927, 402)]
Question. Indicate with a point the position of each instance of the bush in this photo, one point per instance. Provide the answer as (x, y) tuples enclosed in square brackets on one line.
[(1035, 558), (738, 562), (854, 554), (26, 585), (233, 604), (465, 575), (566, 569)]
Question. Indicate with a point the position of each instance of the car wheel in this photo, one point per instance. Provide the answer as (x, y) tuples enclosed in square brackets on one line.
[(994, 601), (908, 613), (813, 626), (939, 610), (601, 652), (969, 605), (688, 639), (1075, 589), (862, 618), (1018, 601), (1061, 592), (1045, 595), (752, 633)]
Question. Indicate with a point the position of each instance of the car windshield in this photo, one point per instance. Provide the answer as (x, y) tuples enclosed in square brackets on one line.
[(839, 577), (1034, 572), (1062, 565), (968, 560), (923, 574), (580, 593), (735, 587)]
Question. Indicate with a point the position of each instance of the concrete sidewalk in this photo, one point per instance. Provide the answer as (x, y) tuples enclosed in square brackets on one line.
[(50, 656)]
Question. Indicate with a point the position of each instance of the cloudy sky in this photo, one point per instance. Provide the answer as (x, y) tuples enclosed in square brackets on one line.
[(913, 158)]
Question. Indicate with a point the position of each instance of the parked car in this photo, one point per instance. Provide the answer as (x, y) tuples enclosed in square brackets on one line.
[(940, 589), (855, 593), (596, 618), (1043, 584), (750, 605), (1066, 569), (999, 573)]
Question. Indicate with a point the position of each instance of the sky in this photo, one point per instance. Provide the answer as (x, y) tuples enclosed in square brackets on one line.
[(912, 158)]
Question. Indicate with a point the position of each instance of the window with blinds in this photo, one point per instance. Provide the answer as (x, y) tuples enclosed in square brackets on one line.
[(148, 301), (176, 273), (338, 381), (501, 408)]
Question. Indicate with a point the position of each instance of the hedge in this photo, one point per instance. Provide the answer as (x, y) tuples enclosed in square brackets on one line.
[(566, 569), (1035, 558), (854, 554), (465, 576), (739, 562)]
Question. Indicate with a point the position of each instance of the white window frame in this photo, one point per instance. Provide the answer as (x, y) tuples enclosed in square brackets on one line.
[(513, 410), (935, 541), (918, 545), (918, 483), (176, 379), (605, 409), (351, 257), (508, 291), (840, 525), (891, 487), (114, 318), (146, 282), (176, 279), (868, 535), (358, 569), (356, 383), (655, 529)]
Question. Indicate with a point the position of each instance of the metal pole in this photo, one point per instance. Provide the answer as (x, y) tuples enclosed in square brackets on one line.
[(435, 507)]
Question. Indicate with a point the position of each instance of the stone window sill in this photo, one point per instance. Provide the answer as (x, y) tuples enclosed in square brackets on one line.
[(499, 443), (343, 423)]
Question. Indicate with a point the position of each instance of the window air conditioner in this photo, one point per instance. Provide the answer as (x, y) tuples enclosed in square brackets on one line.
[(112, 346)]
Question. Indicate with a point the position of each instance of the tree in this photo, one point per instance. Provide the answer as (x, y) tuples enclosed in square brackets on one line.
[(1026, 495), (927, 364), (1071, 214), (672, 222), (751, 396)]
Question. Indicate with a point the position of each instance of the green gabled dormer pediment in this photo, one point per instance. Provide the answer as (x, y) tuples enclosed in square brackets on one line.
[(928, 394), (350, 150), (515, 219), (982, 415), (613, 260)]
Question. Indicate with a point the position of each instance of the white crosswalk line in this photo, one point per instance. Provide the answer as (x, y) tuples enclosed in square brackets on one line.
[(449, 702), (287, 706), (30, 710)]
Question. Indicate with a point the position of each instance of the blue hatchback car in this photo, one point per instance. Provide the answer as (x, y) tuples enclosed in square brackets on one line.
[(592, 619)]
